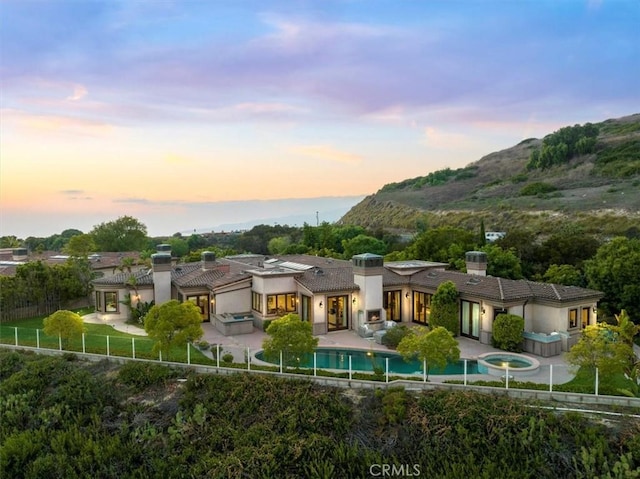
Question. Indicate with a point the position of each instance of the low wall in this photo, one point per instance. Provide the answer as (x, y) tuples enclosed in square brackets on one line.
[(526, 394)]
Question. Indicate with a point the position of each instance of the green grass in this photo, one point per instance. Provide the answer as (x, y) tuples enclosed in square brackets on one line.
[(30, 332)]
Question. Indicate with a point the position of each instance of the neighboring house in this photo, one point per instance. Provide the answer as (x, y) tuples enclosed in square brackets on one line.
[(494, 235), (103, 264), (337, 294)]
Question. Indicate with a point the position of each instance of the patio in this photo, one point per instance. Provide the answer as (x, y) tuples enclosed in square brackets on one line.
[(469, 349)]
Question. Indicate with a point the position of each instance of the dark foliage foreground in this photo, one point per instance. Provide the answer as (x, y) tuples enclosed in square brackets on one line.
[(63, 418)]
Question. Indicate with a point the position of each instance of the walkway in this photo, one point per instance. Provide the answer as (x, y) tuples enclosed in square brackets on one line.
[(469, 349)]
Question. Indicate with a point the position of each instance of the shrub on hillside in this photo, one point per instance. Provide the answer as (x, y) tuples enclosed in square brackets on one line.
[(507, 332), (538, 188)]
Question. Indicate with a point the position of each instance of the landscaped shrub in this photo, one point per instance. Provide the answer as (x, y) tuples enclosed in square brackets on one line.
[(227, 358), (444, 308), (507, 332), (394, 335)]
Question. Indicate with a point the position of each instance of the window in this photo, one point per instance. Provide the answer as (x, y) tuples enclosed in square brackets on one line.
[(585, 318), (573, 318), (202, 301), (111, 302), (281, 303), (256, 301), (305, 308), (470, 319), (421, 307), (391, 303)]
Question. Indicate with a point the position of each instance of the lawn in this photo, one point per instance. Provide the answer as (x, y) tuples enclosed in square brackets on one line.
[(98, 339)]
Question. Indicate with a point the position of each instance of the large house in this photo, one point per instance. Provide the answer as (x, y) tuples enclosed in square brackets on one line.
[(336, 294)]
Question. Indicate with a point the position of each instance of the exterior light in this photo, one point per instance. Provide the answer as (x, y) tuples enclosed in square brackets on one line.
[(353, 300), (595, 310), (407, 295), (320, 304)]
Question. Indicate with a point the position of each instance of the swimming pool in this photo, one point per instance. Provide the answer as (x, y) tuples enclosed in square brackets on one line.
[(366, 360)]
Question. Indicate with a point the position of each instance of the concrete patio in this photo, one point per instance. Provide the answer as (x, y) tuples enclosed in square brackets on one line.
[(469, 349)]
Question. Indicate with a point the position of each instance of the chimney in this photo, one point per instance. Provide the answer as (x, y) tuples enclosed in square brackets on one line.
[(208, 260), (476, 262), (161, 262), (367, 274)]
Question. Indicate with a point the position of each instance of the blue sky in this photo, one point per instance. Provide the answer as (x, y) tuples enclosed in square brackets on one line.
[(168, 110)]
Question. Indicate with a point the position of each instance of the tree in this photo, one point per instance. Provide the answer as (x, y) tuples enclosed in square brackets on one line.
[(435, 347), (502, 263), (444, 308), (363, 244), (601, 346), (80, 246), (626, 327), (124, 234), (65, 324), (507, 332), (614, 271), (291, 336), (565, 274), (446, 244), (173, 324)]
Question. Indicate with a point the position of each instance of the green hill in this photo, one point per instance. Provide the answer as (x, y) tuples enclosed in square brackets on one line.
[(588, 173)]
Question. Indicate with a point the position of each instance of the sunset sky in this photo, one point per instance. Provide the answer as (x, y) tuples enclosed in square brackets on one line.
[(167, 110)]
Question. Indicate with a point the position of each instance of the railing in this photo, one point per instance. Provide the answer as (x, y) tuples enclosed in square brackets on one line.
[(219, 358)]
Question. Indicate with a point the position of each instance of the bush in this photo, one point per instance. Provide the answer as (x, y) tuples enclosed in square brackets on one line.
[(227, 358), (203, 346), (507, 332), (538, 188), (394, 335), (265, 324), (143, 375)]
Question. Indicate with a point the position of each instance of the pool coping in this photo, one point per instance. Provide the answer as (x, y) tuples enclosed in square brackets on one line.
[(495, 370)]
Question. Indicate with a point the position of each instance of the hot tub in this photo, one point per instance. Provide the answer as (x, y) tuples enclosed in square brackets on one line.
[(233, 324), (498, 363)]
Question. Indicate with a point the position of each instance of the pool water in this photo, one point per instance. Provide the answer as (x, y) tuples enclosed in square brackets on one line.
[(366, 360)]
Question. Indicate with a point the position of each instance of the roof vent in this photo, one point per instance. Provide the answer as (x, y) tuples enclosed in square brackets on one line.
[(318, 272)]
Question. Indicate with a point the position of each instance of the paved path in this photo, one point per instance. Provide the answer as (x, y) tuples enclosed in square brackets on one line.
[(469, 349)]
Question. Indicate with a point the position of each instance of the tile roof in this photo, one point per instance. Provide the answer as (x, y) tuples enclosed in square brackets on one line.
[(333, 275), (319, 280)]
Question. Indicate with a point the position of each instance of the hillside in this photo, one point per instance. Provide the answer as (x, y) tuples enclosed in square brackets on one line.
[(61, 417), (597, 185)]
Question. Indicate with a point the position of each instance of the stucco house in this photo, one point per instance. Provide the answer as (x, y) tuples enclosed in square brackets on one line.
[(336, 294)]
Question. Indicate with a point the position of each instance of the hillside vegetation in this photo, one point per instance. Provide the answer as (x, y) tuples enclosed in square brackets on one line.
[(60, 417), (589, 174)]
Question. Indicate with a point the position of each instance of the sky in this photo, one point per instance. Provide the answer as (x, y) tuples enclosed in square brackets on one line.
[(191, 114)]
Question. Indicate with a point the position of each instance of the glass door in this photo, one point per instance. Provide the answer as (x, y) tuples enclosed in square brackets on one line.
[(337, 313)]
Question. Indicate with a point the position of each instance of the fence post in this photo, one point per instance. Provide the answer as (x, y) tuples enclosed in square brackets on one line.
[(349, 367), (597, 381), (550, 378), (15, 331), (83, 345), (465, 372), (37, 338), (107, 345), (424, 371), (280, 362), (248, 358), (188, 353), (160, 351), (506, 377), (218, 355), (314, 364), (59, 342), (386, 360), (133, 347)]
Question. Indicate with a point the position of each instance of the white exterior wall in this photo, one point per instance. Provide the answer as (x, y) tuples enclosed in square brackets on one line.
[(162, 286), (369, 297), (238, 301)]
